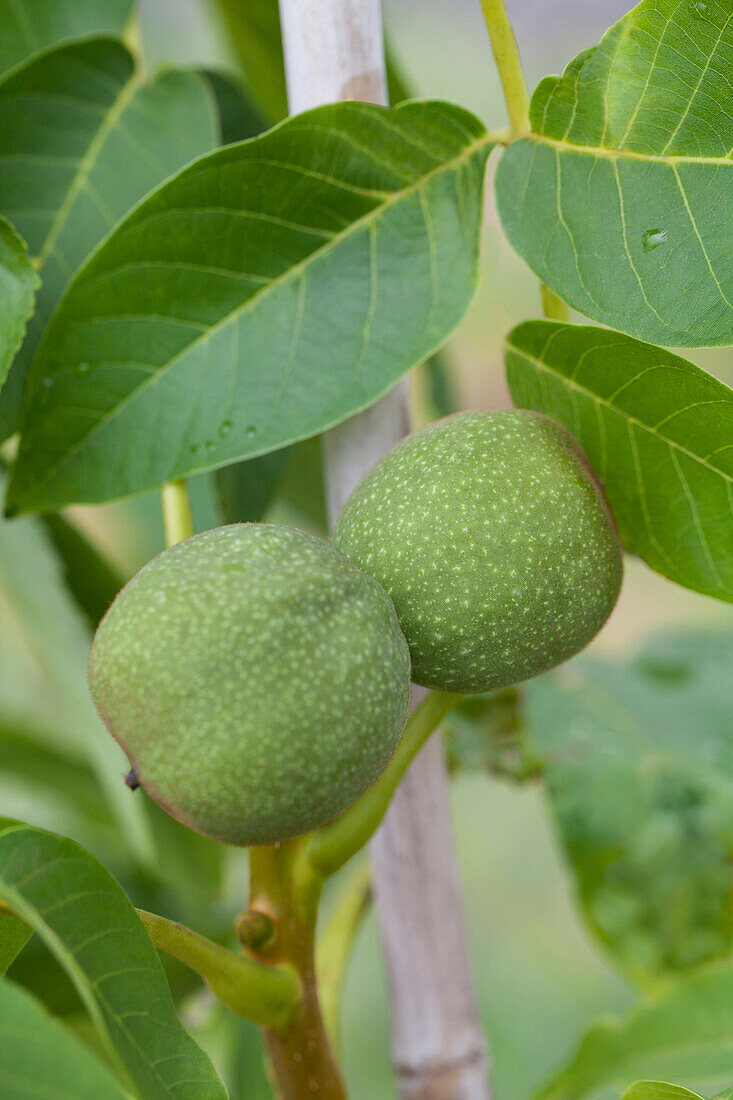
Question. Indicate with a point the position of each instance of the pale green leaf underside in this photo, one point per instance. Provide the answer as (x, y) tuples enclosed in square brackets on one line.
[(681, 1034), (29, 28), (82, 139), (659, 1090), (18, 282), (40, 1059), (267, 292), (621, 200), (84, 918), (657, 430)]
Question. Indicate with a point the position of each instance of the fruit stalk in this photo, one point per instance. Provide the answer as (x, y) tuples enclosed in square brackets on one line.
[(299, 1052), (334, 50)]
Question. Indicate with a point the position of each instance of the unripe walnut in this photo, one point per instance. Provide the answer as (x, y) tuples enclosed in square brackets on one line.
[(257, 680), (491, 535)]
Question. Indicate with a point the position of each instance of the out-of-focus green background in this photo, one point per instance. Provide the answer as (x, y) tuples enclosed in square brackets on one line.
[(539, 976)]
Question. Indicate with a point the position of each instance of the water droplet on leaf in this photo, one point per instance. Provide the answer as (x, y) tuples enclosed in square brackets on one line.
[(48, 382), (84, 368), (653, 238), (225, 429), (210, 445), (698, 9), (195, 448), (250, 432)]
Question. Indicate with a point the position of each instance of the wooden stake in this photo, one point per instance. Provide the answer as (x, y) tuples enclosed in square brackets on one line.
[(334, 50)]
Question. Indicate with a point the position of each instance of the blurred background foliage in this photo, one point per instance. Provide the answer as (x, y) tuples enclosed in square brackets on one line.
[(593, 809)]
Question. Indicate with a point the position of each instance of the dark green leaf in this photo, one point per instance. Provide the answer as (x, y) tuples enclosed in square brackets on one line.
[(656, 429), (254, 33), (245, 489), (28, 28), (40, 1059), (82, 139), (440, 386), (487, 733), (239, 118), (14, 935), (18, 283), (639, 775), (683, 1032), (84, 918), (265, 293), (621, 199), (88, 575)]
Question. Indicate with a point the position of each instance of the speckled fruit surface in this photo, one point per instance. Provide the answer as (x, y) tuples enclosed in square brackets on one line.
[(490, 535), (257, 680)]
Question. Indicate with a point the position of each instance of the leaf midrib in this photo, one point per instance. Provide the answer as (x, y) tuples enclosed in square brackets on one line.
[(618, 412), (487, 140), (623, 154), (87, 163)]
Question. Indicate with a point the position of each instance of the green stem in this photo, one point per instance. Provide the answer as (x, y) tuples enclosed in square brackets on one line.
[(260, 992), (177, 517), (284, 887), (335, 944), (331, 846), (553, 307), (516, 94), (506, 54)]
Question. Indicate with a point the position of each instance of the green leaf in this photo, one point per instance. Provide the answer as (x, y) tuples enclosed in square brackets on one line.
[(88, 575), (31, 580), (84, 918), (682, 1033), (659, 1090), (30, 28), (18, 283), (656, 429), (638, 771), (487, 733), (39, 1058), (265, 293), (28, 753), (82, 139), (245, 489), (239, 118), (14, 935), (621, 199), (254, 33)]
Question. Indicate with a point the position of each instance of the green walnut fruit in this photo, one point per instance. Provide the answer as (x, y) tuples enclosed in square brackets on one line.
[(491, 535), (257, 680)]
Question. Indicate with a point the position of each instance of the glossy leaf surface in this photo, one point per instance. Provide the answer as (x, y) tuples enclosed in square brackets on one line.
[(29, 28), (82, 139), (18, 282), (656, 429), (84, 918), (265, 293), (39, 1058), (621, 199)]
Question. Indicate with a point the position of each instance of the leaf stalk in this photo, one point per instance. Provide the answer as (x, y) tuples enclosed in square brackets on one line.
[(266, 994), (508, 62), (177, 518)]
